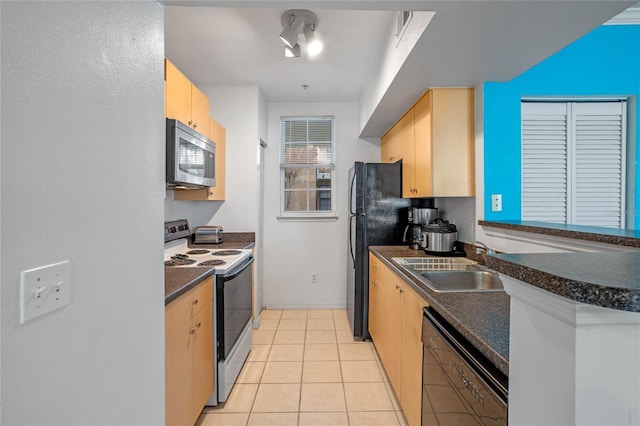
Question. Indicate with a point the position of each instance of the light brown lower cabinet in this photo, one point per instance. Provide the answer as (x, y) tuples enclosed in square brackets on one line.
[(395, 325), (189, 363)]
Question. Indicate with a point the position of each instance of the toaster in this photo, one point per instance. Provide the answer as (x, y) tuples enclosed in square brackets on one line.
[(208, 235)]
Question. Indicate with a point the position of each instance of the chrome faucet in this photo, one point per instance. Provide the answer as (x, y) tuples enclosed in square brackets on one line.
[(482, 247)]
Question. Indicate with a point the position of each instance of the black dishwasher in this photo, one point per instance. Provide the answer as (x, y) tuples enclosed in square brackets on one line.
[(459, 385)]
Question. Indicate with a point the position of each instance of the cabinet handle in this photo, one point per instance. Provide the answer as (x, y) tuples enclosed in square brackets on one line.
[(192, 331), (195, 301), (190, 122), (199, 324), (195, 125)]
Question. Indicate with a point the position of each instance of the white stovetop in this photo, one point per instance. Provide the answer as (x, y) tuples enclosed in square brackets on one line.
[(181, 247)]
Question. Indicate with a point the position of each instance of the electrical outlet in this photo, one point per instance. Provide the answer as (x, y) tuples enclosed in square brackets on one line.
[(496, 202), (314, 278), (470, 228), (44, 289)]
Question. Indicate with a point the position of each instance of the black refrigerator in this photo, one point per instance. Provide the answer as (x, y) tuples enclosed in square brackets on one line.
[(377, 216)]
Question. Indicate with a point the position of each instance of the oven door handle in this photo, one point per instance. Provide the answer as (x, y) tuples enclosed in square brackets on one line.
[(237, 271)]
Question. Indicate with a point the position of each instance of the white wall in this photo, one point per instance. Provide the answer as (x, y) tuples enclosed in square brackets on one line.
[(236, 109), (514, 241), (293, 250), (395, 54), (82, 179), (571, 363), (461, 212)]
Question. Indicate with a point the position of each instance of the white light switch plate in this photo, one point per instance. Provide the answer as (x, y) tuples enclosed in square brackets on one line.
[(44, 289), (496, 202)]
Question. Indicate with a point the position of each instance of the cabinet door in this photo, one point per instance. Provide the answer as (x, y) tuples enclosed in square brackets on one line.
[(203, 360), (375, 299), (178, 374), (392, 327), (422, 147), (390, 146), (182, 395), (218, 134), (406, 141), (199, 111), (178, 93), (453, 147), (411, 363)]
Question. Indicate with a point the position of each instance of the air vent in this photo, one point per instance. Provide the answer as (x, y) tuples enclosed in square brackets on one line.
[(403, 19)]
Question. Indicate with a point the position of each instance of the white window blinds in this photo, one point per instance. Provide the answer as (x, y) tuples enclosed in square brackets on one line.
[(573, 162), (307, 166), (307, 141)]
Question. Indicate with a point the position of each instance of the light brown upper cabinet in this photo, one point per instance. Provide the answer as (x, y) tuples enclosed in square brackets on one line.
[(437, 144), (184, 101), (217, 134), (390, 148)]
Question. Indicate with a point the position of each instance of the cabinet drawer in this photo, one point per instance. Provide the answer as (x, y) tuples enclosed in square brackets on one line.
[(190, 303)]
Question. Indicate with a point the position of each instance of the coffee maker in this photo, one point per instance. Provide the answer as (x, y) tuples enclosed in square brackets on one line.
[(416, 218)]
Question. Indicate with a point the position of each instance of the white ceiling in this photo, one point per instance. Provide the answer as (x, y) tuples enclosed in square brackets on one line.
[(466, 42), (241, 46)]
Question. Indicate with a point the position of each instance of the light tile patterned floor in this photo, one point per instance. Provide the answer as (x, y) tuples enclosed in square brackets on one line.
[(305, 369)]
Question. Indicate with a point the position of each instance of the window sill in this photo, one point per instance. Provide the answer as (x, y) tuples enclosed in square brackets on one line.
[(307, 218)]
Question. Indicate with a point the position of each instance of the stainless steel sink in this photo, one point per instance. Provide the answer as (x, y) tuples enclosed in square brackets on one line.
[(451, 274), (457, 281)]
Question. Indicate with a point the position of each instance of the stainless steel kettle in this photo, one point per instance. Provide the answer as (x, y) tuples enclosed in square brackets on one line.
[(438, 237)]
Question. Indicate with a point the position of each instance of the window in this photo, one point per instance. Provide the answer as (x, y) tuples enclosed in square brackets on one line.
[(307, 166), (573, 162)]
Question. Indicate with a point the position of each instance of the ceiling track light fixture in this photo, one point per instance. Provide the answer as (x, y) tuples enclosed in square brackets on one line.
[(294, 22)]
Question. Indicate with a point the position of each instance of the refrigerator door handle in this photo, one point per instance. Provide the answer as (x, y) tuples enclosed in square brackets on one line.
[(353, 257), (351, 203)]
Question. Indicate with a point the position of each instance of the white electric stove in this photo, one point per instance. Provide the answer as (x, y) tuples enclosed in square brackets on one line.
[(232, 307)]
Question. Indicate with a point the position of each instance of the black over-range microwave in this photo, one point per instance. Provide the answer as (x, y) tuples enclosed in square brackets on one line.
[(190, 157)]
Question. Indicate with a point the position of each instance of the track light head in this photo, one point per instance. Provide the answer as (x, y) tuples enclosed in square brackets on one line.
[(289, 37), (292, 52), (313, 42), (294, 22)]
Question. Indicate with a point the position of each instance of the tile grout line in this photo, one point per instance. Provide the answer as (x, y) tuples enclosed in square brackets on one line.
[(305, 362), (262, 374), (304, 349)]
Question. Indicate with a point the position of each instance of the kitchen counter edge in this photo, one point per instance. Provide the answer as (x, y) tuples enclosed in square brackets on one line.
[(619, 237), (482, 318), (605, 279), (178, 281)]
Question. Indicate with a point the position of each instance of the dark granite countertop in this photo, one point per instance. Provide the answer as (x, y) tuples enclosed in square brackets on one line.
[(177, 281), (482, 318), (620, 237), (232, 240), (607, 279)]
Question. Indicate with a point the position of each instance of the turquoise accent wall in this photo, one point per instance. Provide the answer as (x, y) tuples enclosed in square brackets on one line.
[(604, 62)]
